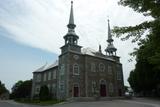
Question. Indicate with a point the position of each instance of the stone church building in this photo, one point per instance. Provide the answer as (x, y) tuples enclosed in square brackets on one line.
[(81, 72)]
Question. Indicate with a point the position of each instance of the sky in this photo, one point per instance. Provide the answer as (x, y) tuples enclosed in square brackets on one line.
[(31, 33)]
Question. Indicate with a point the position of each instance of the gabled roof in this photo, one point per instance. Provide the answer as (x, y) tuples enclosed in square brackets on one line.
[(45, 67), (88, 51), (41, 68), (92, 52), (52, 65)]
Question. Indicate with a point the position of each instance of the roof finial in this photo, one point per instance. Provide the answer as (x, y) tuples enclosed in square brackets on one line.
[(100, 50), (71, 18)]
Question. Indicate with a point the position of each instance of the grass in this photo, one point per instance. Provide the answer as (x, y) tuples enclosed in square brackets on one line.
[(38, 102)]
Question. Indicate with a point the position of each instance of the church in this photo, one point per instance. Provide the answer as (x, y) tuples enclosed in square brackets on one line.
[(81, 73)]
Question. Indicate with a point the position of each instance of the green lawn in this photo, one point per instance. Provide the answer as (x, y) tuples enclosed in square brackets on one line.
[(38, 102)]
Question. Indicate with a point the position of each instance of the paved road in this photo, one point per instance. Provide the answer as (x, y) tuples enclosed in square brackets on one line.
[(116, 103)]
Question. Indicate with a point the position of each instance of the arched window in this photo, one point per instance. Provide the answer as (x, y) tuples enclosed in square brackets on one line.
[(75, 69)]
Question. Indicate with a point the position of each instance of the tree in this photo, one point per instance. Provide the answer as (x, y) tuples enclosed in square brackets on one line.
[(2, 88), (44, 93), (22, 89), (145, 77)]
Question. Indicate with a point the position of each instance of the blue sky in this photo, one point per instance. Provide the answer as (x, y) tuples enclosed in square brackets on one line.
[(19, 61), (31, 32)]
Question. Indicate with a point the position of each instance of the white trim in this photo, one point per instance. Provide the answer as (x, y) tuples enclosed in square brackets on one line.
[(111, 88), (93, 67), (110, 69), (76, 73), (101, 67)]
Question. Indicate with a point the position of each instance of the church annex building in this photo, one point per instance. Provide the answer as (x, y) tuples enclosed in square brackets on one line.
[(80, 72)]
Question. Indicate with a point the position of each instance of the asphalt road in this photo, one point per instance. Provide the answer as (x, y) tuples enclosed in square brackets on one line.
[(140, 102)]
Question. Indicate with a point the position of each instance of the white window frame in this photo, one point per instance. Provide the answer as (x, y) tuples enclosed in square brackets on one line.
[(93, 86), (111, 88), (62, 69), (62, 87), (119, 73), (38, 77), (110, 70), (49, 87), (37, 89), (45, 76), (49, 75), (54, 74), (93, 67), (76, 69), (100, 67)]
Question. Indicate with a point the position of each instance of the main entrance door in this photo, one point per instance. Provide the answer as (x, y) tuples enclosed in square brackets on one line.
[(76, 91), (103, 90)]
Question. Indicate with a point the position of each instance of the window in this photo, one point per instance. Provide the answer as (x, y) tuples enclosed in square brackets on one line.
[(93, 86), (62, 69), (49, 87), (109, 69), (54, 74), (49, 75), (110, 87), (38, 77), (118, 75), (101, 67), (45, 76), (93, 67), (119, 72), (37, 89), (61, 87), (54, 89), (75, 69)]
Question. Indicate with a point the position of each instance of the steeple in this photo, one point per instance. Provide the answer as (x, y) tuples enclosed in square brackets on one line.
[(71, 18), (109, 34), (71, 37), (110, 50)]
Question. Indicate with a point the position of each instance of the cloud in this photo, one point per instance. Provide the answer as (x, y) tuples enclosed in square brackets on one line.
[(42, 23)]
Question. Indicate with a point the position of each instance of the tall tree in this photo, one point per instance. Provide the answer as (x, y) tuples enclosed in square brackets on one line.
[(146, 76), (22, 89), (2, 88)]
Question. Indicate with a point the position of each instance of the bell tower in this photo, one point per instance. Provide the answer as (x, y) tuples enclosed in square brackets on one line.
[(71, 38), (110, 50)]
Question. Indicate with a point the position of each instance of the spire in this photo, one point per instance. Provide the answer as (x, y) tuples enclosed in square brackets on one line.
[(71, 37), (111, 50), (71, 24), (109, 33), (71, 19)]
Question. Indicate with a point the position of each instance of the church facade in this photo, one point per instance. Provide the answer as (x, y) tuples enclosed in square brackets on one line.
[(81, 72)]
